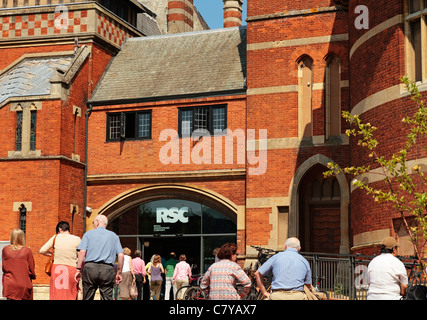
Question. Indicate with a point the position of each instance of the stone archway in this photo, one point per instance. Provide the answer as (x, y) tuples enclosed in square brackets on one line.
[(343, 206), (113, 208)]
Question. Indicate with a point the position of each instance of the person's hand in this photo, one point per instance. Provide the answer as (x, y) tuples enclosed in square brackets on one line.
[(118, 278), (77, 276)]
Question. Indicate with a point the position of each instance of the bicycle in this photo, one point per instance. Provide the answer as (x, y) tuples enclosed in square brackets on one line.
[(263, 255), (316, 287), (192, 291), (417, 289)]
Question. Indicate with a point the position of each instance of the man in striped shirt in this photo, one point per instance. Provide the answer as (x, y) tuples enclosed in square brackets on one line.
[(222, 276)]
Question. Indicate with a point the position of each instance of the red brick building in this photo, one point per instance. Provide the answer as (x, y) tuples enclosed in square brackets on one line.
[(186, 140)]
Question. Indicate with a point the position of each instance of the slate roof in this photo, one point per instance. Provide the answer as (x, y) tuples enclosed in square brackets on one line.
[(162, 67), (31, 77)]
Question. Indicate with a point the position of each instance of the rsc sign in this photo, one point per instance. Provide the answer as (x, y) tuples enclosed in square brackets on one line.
[(172, 215)]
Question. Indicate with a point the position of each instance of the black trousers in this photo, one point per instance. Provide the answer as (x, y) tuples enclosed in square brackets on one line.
[(98, 276), (139, 282)]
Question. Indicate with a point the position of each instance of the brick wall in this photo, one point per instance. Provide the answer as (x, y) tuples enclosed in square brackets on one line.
[(275, 46)]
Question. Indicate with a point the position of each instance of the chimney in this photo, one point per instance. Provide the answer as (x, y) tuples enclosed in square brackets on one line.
[(232, 13), (180, 16)]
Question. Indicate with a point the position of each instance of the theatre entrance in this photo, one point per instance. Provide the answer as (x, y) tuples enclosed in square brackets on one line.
[(178, 225)]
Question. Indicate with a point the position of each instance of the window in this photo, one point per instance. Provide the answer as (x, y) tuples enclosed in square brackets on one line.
[(23, 217), (18, 136), (26, 124), (129, 125), (33, 130), (202, 120), (333, 97), (415, 23), (305, 94)]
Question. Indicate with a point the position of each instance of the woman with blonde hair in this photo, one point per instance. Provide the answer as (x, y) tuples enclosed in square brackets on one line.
[(128, 276), (155, 271), (18, 268)]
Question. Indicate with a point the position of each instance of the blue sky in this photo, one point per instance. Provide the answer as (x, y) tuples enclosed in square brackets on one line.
[(213, 13)]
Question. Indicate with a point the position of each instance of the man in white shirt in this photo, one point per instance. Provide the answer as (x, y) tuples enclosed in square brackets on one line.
[(387, 276)]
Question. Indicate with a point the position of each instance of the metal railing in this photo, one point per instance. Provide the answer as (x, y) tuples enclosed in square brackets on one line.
[(343, 277)]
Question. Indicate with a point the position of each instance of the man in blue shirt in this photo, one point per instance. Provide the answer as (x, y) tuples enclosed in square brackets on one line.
[(291, 271), (98, 250)]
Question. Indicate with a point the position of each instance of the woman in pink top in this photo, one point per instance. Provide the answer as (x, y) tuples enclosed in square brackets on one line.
[(181, 274), (139, 270)]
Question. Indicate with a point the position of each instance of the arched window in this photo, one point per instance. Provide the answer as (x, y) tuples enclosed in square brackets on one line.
[(333, 97), (305, 93)]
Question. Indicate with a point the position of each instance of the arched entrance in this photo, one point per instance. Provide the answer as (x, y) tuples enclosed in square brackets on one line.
[(165, 218), (319, 208), (319, 212)]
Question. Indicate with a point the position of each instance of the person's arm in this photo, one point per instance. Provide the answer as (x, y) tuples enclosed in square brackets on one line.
[(120, 260), (403, 288), (80, 260), (131, 269), (245, 281), (206, 280), (260, 283), (31, 264), (45, 250)]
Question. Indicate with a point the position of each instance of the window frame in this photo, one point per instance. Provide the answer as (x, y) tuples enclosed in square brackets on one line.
[(124, 122), (412, 16), (210, 120)]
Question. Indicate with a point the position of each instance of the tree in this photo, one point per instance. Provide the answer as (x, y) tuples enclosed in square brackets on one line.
[(405, 187)]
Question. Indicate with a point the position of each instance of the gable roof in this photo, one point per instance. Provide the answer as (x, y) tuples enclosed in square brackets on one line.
[(186, 64), (31, 77)]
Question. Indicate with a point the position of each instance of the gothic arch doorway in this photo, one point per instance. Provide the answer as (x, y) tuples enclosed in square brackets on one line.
[(319, 207), (319, 212)]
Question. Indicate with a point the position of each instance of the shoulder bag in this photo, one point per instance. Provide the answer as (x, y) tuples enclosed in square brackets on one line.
[(49, 263)]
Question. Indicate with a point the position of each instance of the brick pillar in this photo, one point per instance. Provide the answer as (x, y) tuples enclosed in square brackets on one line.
[(232, 13), (180, 16)]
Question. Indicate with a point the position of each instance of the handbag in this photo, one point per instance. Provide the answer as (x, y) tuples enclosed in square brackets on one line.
[(133, 290), (49, 263), (313, 294)]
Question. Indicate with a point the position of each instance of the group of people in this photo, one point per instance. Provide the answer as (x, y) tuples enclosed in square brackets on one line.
[(387, 276), (83, 266), (173, 272), (98, 261)]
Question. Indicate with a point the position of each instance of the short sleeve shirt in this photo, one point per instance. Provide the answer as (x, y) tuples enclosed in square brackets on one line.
[(101, 245), (290, 270), (385, 274)]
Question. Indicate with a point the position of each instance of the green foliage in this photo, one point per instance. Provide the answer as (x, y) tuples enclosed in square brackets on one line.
[(410, 197)]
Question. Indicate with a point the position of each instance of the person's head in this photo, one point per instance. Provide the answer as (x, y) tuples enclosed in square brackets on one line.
[(156, 259), (127, 251), (293, 243), (138, 253), (228, 251), (182, 257), (389, 245), (172, 255), (62, 226), (100, 221), (17, 239)]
